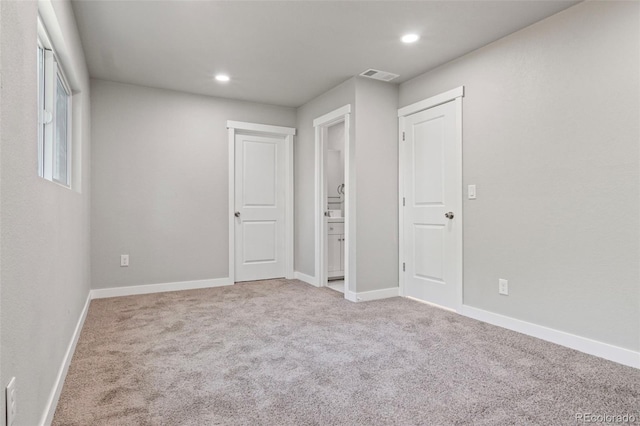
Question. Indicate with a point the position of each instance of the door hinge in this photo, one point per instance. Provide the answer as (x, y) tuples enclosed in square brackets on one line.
[(403, 136), (404, 267), (404, 201)]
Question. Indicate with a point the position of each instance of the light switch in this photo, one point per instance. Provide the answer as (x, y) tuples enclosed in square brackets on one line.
[(472, 192)]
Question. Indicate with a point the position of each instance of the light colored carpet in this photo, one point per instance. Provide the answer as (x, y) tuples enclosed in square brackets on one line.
[(283, 353)]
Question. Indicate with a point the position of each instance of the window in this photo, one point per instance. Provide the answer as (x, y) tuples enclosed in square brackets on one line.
[(54, 115), (61, 140)]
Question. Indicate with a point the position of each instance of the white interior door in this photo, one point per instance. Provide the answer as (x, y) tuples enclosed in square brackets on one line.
[(260, 185), (431, 177)]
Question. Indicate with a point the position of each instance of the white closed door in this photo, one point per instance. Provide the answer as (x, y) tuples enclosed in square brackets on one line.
[(260, 172), (431, 205)]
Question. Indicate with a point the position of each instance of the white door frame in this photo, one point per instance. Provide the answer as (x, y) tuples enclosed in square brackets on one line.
[(286, 133), (455, 95), (321, 124)]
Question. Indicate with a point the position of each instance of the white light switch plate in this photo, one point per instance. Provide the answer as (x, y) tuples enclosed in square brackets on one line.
[(471, 190)]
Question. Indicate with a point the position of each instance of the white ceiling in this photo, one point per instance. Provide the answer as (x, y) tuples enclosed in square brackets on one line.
[(286, 52)]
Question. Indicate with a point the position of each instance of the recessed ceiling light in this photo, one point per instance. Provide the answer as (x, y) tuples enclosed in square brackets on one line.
[(222, 78), (410, 38)]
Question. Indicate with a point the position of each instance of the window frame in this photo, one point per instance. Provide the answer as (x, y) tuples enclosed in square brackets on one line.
[(59, 76), (50, 71), (40, 72)]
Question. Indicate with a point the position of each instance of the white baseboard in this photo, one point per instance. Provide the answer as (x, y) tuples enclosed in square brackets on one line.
[(350, 296), (306, 278), (366, 296), (435, 305), (52, 403), (582, 344), (101, 293)]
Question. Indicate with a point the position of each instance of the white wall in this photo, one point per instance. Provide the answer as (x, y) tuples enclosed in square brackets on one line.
[(334, 166), (377, 185), (335, 137), (551, 130), (45, 227), (374, 180), (304, 163), (160, 179)]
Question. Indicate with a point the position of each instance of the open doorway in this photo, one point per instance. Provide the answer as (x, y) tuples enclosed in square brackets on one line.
[(334, 249), (335, 192)]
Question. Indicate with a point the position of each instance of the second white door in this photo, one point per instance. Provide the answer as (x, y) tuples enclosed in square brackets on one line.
[(260, 185), (432, 205)]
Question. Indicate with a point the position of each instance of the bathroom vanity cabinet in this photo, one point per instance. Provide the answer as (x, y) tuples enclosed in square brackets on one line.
[(335, 240)]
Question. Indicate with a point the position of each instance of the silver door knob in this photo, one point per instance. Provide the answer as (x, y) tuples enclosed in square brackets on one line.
[(237, 214), (449, 215)]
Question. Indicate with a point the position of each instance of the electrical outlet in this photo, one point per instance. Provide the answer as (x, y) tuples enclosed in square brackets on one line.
[(11, 402), (503, 287), (124, 260)]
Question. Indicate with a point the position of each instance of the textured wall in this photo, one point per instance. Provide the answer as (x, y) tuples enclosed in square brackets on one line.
[(160, 179), (377, 183), (45, 227), (551, 130), (335, 98)]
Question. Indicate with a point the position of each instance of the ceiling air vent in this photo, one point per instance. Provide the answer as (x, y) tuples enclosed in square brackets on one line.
[(379, 75)]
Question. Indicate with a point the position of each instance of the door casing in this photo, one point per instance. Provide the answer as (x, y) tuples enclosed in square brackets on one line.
[(321, 124), (456, 96), (287, 134)]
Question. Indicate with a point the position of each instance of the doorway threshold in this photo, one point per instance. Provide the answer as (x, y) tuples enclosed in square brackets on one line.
[(337, 285)]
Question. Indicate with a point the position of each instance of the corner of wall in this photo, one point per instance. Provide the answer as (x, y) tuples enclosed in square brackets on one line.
[(376, 146)]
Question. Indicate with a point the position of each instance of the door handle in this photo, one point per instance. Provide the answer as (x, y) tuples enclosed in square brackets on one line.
[(237, 214), (449, 215)]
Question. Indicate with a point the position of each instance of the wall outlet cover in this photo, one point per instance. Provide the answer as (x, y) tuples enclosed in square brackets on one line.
[(503, 287)]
